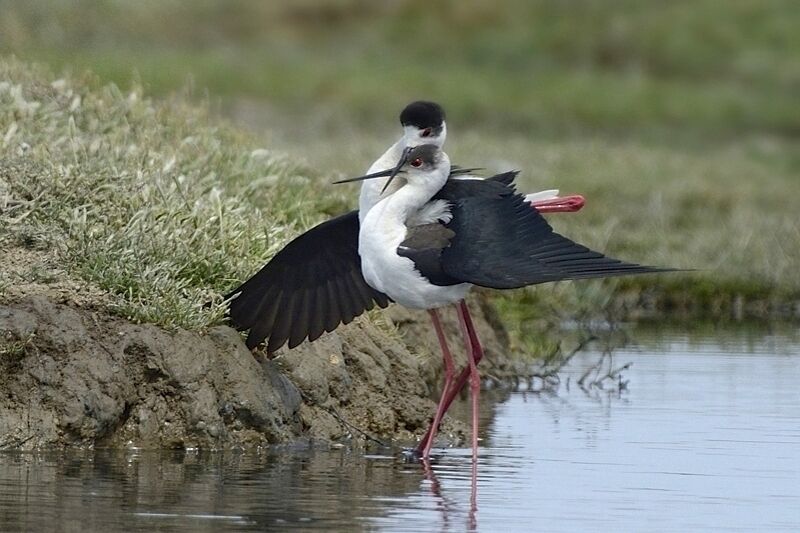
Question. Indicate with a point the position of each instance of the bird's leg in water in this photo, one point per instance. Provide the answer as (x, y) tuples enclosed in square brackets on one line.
[(462, 379), (449, 375), (477, 355), (553, 205), (473, 348)]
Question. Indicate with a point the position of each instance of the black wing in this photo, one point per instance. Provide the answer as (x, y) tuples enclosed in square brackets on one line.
[(501, 242), (309, 287), (456, 170), (424, 245)]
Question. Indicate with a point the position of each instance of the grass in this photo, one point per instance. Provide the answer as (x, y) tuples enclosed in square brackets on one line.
[(13, 349), (710, 65), (146, 200)]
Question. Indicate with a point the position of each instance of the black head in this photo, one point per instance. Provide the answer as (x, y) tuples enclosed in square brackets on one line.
[(422, 115)]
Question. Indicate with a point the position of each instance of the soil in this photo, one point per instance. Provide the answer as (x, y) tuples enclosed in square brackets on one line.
[(72, 374)]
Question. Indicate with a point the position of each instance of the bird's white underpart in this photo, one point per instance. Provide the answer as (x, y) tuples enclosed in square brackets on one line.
[(385, 227)]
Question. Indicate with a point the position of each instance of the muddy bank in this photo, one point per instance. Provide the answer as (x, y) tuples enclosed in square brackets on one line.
[(74, 376)]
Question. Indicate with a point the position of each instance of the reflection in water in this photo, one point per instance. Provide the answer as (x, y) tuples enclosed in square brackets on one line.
[(706, 437), (198, 491), (436, 490)]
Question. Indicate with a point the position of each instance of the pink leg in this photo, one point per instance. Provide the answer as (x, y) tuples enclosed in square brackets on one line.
[(477, 349), (449, 374), (474, 376), (461, 382), (473, 497)]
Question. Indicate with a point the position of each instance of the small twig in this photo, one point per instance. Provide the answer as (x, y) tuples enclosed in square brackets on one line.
[(347, 424), (594, 369), (16, 441), (550, 373)]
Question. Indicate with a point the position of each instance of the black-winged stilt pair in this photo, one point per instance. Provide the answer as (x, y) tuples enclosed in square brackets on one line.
[(424, 234)]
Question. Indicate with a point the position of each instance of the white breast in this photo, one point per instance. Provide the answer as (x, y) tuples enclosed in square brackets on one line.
[(433, 211), (395, 275)]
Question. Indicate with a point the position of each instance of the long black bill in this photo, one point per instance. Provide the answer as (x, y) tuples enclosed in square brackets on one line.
[(403, 159), (391, 172), (381, 174)]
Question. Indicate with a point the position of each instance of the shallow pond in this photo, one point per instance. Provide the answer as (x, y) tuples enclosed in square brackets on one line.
[(706, 436)]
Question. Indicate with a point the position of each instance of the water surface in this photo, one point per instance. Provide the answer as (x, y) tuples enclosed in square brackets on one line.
[(706, 437)]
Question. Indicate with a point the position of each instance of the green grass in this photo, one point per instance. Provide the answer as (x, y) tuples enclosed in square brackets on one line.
[(13, 349), (718, 66), (148, 201)]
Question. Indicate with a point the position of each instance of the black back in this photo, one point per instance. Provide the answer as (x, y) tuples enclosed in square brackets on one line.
[(500, 241), (424, 244)]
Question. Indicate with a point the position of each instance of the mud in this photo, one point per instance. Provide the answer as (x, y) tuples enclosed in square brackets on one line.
[(78, 376)]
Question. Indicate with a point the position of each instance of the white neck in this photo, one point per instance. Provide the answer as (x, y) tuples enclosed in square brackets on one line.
[(399, 206), (371, 189)]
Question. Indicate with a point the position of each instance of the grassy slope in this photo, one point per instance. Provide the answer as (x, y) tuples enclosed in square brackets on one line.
[(148, 201), (677, 120)]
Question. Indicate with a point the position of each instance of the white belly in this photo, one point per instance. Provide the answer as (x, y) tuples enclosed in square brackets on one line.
[(394, 275)]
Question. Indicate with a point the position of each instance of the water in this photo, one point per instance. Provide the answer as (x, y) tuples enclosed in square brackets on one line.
[(706, 437)]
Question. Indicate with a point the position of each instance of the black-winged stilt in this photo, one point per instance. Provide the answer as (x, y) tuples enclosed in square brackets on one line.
[(486, 235)]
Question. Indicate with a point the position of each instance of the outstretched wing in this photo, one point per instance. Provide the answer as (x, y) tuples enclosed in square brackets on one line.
[(500, 242), (309, 287)]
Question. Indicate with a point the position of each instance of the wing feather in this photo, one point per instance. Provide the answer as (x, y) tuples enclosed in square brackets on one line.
[(312, 285), (317, 313), (500, 242)]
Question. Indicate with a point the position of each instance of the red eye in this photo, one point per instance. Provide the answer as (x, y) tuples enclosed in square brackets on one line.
[(416, 163), (426, 132)]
